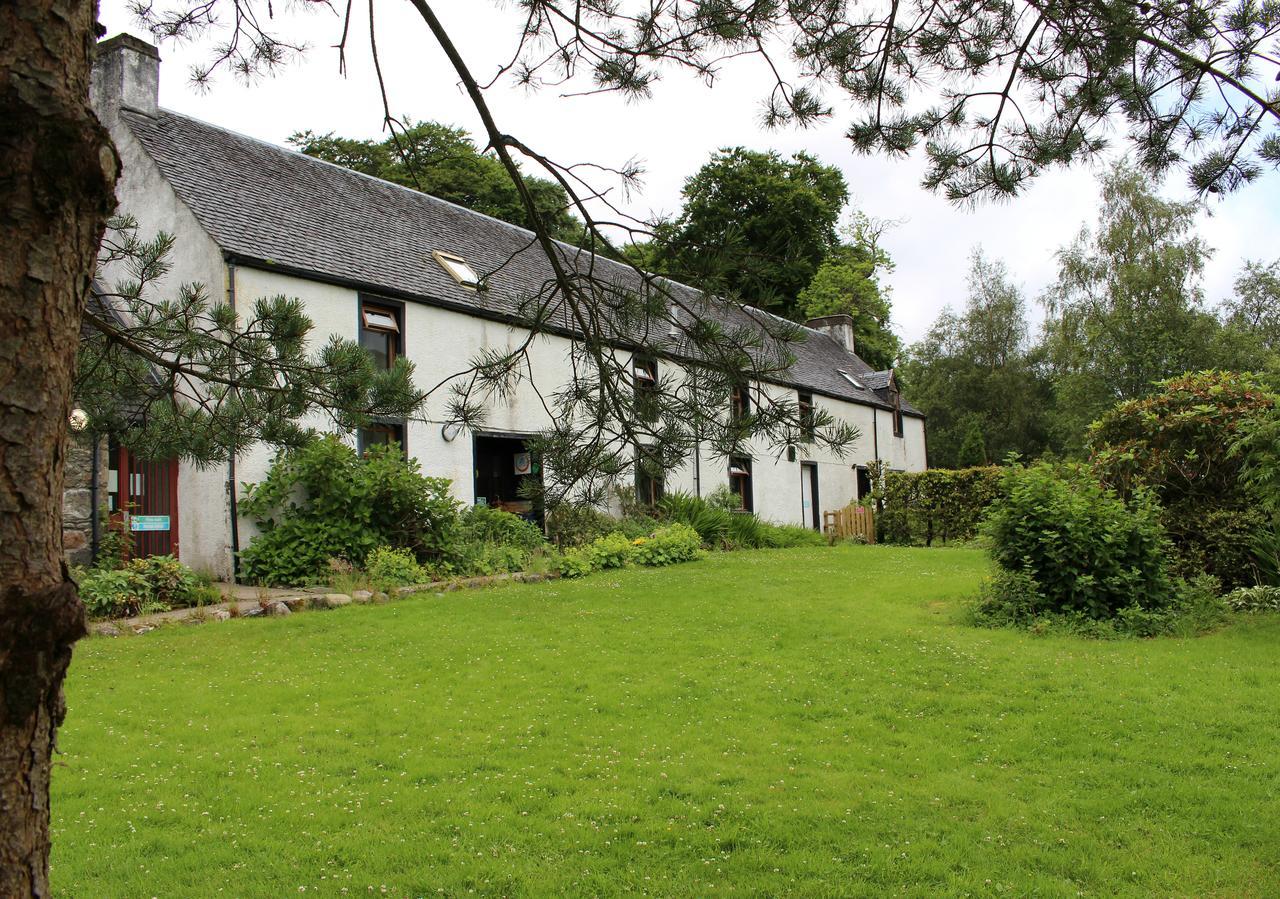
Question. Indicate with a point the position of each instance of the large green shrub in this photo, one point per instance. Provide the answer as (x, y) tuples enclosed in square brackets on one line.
[(323, 501), (1086, 550), (938, 504), (1183, 443)]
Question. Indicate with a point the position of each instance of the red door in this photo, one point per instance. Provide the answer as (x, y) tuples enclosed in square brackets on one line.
[(143, 498)]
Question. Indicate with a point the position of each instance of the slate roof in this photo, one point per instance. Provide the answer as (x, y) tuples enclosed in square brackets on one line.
[(283, 210)]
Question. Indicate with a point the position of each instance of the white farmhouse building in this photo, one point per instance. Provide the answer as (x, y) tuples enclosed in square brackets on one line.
[(371, 261)]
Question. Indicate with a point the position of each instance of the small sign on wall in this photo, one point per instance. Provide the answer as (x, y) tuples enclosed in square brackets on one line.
[(524, 463), (148, 522)]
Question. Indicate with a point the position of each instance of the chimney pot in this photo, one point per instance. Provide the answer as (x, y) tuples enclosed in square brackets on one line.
[(838, 327), (126, 75)]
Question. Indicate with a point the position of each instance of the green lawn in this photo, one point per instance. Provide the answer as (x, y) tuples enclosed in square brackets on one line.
[(807, 722)]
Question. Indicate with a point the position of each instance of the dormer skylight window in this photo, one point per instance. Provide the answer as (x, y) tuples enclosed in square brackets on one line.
[(458, 269), (851, 379)]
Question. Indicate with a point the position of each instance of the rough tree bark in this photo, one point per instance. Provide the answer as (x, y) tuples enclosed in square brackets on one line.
[(57, 175)]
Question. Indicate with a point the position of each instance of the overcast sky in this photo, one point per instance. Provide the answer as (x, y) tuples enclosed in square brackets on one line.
[(672, 134)]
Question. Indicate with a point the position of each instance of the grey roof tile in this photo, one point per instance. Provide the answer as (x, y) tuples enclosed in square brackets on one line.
[(280, 208)]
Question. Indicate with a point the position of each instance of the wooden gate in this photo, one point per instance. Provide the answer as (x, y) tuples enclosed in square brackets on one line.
[(143, 499), (851, 521)]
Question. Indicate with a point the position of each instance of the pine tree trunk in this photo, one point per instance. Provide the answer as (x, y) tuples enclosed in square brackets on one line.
[(57, 173)]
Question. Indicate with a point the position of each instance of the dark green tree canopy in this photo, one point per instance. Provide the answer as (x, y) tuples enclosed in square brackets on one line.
[(445, 162), (849, 282), (755, 227)]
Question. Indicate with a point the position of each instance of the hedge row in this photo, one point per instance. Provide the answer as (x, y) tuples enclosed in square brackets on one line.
[(938, 504)]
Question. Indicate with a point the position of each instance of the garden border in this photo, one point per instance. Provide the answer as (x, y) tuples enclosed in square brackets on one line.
[(279, 602)]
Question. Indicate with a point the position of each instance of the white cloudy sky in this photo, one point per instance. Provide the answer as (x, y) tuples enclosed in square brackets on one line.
[(672, 134)]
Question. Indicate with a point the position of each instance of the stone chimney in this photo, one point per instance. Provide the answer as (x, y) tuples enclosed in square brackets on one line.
[(838, 327), (126, 74)]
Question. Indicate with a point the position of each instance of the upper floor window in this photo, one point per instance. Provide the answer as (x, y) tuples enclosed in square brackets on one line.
[(644, 375), (808, 427), (380, 332), (739, 402), (897, 414)]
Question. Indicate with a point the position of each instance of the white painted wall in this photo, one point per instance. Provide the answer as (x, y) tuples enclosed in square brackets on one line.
[(441, 342), (204, 505)]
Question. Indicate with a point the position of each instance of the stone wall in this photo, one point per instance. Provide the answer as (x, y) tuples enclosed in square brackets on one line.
[(77, 498)]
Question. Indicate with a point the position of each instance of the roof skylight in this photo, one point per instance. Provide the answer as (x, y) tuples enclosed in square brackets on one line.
[(458, 268)]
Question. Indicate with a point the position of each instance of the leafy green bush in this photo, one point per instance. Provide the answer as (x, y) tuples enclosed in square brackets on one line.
[(667, 546), (576, 562), (485, 524), (387, 567), (1086, 551), (1254, 599), (475, 558), (610, 551), (1188, 444), (142, 586), (1009, 599), (116, 593), (571, 524), (1013, 599), (938, 504), (323, 501)]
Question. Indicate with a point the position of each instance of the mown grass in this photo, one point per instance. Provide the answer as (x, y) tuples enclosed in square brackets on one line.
[(811, 722)]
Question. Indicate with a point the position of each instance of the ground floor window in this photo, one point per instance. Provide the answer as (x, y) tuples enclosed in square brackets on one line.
[(648, 480), (382, 432), (740, 482)]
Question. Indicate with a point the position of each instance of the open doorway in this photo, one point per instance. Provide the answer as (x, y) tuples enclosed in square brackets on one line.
[(809, 502), (503, 465)]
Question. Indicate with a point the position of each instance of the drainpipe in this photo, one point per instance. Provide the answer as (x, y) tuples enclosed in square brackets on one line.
[(697, 468), (232, 503), (875, 435), (95, 540)]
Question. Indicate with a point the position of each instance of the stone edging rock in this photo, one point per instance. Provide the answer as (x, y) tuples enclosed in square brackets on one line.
[(280, 604)]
